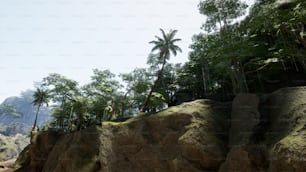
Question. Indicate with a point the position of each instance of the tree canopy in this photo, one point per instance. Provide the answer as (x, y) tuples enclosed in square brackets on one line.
[(41, 97), (258, 54), (236, 52)]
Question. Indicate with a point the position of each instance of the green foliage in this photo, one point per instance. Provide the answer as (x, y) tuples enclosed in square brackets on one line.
[(41, 97), (103, 92), (220, 12), (78, 107), (9, 110), (157, 101), (61, 88), (229, 57), (253, 55), (164, 46), (18, 113), (104, 98), (103, 83), (137, 85), (15, 128), (11, 146)]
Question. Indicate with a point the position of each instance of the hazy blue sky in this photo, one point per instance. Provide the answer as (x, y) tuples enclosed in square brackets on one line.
[(71, 37)]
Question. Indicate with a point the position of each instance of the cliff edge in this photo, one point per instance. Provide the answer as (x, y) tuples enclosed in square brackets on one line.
[(252, 133)]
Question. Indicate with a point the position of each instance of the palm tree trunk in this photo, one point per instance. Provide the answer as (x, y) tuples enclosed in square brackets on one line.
[(35, 121), (146, 102)]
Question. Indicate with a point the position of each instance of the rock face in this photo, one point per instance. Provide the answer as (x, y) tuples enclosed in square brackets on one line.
[(41, 146), (278, 140), (245, 159), (285, 131), (265, 134), (189, 137), (244, 118)]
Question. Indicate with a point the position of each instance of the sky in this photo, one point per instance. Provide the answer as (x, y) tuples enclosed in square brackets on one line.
[(72, 37)]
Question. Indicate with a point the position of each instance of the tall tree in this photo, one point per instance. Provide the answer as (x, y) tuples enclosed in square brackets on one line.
[(101, 90), (61, 88), (41, 97), (79, 107), (221, 13), (137, 85), (165, 46), (62, 91), (220, 16)]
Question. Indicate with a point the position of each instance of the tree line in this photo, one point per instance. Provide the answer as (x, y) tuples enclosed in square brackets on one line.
[(259, 53), (105, 98)]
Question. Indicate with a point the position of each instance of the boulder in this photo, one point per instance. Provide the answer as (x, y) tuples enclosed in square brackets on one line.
[(286, 130), (246, 159)]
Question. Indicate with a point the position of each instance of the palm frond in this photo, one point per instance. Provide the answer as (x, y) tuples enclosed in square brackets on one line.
[(164, 34), (41, 97), (175, 40), (176, 48), (157, 47), (154, 42), (172, 34), (165, 44), (159, 39)]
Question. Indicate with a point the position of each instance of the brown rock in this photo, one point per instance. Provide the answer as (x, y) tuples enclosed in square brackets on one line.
[(190, 137), (245, 159), (281, 128), (285, 110), (286, 157), (40, 147), (287, 129)]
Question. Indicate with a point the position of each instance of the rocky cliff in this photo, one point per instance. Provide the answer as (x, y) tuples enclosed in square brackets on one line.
[(266, 133)]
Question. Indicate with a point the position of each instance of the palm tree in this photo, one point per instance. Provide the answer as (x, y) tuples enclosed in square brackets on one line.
[(41, 97), (165, 46)]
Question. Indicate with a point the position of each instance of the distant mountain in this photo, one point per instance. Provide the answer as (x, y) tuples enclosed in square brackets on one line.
[(11, 146), (17, 114)]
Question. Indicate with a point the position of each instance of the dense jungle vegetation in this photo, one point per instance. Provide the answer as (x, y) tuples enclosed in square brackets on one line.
[(257, 53)]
